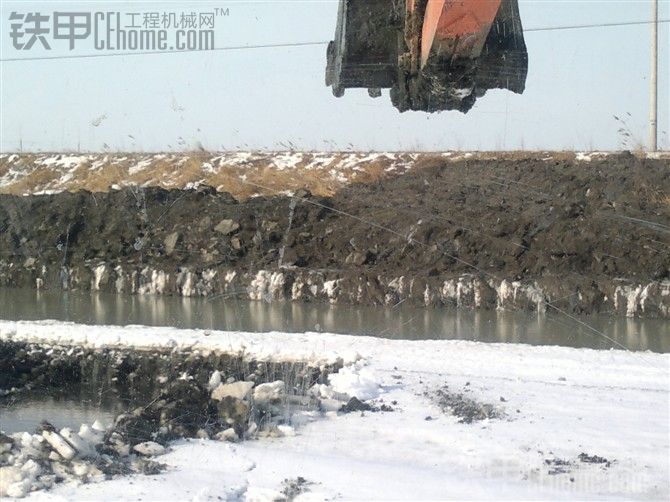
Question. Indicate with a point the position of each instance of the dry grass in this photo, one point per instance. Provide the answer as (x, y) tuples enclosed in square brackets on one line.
[(4, 169), (655, 195), (241, 175), (39, 177), (257, 176), (661, 198), (374, 171), (98, 180)]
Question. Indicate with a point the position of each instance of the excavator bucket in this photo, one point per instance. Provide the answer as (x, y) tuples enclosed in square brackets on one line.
[(433, 54), (365, 50)]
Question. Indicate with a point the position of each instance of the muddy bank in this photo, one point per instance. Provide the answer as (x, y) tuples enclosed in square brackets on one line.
[(166, 395), (478, 233), (170, 388)]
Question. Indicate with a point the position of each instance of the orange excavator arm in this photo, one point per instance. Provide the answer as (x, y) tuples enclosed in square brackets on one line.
[(456, 28)]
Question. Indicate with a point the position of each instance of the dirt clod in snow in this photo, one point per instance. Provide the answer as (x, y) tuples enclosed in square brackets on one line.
[(292, 488), (466, 409), (562, 466), (558, 466), (355, 404), (593, 459)]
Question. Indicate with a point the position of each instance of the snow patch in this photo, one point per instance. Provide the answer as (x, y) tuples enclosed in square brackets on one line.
[(354, 381)]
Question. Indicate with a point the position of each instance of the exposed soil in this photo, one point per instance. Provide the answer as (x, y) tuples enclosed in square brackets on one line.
[(466, 409), (594, 459), (561, 466), (558, 466), (293, 488), (585, 237), (356, 405)]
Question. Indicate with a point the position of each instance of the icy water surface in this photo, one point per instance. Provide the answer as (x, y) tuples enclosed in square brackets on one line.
[(401, 322), (67, 412), (69, 409)]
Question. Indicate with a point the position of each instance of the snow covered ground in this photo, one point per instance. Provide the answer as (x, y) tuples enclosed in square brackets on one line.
[(552, 403)]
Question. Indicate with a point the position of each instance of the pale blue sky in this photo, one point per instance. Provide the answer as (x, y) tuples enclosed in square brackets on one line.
[(264, 98)]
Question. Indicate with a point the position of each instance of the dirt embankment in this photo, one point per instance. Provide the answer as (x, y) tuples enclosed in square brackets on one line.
[(163, 395), (478, 232)]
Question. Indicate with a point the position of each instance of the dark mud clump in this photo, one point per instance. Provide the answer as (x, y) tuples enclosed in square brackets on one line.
[(558, 466), (562, 466), (292, 488), (466, 409), (354, 404), (593, 459)]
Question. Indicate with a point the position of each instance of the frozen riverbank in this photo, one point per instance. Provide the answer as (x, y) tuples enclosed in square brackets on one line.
[(531, 233), (552, 412)]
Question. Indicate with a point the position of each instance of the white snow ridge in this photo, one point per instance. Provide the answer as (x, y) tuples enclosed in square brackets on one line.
[(435, 420)]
